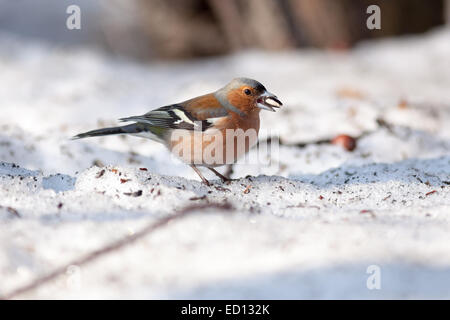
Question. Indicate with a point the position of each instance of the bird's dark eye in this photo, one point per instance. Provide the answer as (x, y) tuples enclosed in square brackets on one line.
[(247, 92)]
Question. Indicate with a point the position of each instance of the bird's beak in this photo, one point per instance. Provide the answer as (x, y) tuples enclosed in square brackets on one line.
[(268, 101)]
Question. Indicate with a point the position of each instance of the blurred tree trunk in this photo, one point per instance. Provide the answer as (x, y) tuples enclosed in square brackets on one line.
[(230, 21), (254, 23), (447, 12), (325, 22), (192, 28), (341, 23), (183, 28)]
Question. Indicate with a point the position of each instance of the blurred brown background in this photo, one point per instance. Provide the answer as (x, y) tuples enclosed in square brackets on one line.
[(174, 29), (180, 28)]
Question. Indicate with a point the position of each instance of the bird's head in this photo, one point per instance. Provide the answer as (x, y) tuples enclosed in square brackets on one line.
[(246, 95)]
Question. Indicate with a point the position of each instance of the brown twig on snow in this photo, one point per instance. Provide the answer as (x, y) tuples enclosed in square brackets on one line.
[(114, 246), (380, 122), (12, 211)]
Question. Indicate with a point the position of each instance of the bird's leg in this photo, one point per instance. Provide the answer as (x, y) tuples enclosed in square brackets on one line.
[(221, 176), (200, 175)]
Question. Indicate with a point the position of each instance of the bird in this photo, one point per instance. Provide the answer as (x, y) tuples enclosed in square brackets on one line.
[(209, 131)]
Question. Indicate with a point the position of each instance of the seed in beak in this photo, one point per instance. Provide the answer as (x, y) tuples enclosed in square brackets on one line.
[(269, 102), (273, 102)]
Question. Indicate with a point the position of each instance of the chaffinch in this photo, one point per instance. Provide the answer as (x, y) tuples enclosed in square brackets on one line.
[(210, 130)]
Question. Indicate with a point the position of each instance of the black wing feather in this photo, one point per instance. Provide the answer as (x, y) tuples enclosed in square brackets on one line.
[(171, 117)]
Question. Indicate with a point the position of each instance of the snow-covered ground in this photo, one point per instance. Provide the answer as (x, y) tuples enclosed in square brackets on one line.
[(307, 226)]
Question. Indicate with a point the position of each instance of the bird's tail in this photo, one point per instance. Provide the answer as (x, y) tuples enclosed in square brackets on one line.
[(129, 129)]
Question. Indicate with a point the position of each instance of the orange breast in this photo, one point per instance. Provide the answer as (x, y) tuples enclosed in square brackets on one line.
[(230, 139)]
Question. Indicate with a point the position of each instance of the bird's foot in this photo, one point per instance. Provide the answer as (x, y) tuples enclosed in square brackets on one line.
[(206, 182), (221, 176)]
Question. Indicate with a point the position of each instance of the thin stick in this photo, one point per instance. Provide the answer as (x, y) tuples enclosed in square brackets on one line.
[(381, 124), (114, 246), (200, 175), (222, 177)]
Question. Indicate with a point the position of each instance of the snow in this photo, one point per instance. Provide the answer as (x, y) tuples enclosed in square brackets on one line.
[(306, 226)]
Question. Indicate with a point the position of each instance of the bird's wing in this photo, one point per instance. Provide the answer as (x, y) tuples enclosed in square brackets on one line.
[(196, 114), (205, 107)]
